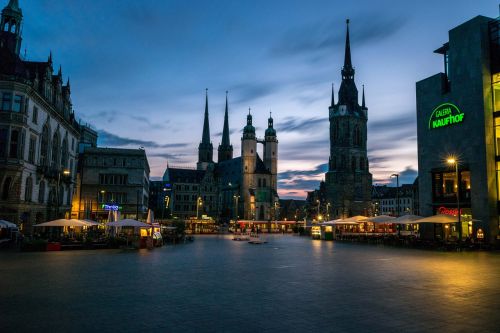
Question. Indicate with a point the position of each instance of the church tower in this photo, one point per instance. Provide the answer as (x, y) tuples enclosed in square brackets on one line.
[(348, 180), (271, 153), (205, 149), (225, 148), (10, 27), (248, 165)]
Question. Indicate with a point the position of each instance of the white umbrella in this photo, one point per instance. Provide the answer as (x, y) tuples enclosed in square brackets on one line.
[(357, 218), (63, 223), (128, 223), (340, 222), (380, 219), (111, 216), (407, 219), (90, 223), (439, 218), (7, 224)]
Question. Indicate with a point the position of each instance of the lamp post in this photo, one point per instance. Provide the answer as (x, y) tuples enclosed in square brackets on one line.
[(318, 202), (58, 189), (397, 192), (328, 211), (454, 161), (236, 198), (199, 203), (137, 205)]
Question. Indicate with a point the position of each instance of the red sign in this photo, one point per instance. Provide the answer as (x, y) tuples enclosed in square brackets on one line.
[(449, 211)]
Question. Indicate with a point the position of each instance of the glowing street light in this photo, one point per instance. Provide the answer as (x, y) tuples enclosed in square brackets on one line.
[(453, 161)]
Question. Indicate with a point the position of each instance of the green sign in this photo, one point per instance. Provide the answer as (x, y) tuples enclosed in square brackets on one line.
[(445, 115)]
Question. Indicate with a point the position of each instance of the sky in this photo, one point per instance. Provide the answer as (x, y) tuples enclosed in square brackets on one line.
[(139, 70)]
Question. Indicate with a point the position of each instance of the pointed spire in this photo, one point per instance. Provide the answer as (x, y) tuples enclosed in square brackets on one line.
[(206, 125), (13, 4), (333, 95), (225, 131), (347, 58), (363, 105), (59, 73), (67, 83), (50, 58)]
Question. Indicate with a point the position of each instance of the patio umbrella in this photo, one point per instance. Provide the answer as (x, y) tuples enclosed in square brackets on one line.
[(111, 216), (439, 219), (407, 219), (90, 223), (62, 223), (357, 218), (7, 224), (380, 219), (339, 222), (128, 223)]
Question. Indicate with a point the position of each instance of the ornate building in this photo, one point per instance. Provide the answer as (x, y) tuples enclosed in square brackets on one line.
[(241, 187), (348, 180), (38, 132)]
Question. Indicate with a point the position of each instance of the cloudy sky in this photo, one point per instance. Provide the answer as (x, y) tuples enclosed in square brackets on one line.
[(139, 69)]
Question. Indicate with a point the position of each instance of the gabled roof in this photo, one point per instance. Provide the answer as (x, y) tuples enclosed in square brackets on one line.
[(176, 175)]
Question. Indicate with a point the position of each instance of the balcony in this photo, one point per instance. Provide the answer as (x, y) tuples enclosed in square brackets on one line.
[(13, 118)]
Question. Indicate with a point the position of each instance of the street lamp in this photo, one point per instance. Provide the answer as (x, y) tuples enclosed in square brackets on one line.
[(58, 189), (454, 161), (328, 211), (236, 198), (397, 192), (317, 201), (199, 203)]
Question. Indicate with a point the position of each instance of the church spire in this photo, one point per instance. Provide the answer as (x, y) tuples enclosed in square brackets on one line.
[(205, 149), (347, 70), (225, 131), (363, 105), (348, 93), (225, 148), (333, 95), (206, 126)]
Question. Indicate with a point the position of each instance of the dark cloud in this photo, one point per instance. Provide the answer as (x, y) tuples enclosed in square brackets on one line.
[(403, 121), (231, 132), (249, 92), (291, 174), (167, 156), (407, 176), (111, 140), (291, 124), (325, 37)]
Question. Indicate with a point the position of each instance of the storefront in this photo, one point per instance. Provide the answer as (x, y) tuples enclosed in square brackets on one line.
[(458, 128)]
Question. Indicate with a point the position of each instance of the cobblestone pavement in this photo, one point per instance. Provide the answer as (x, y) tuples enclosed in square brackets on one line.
[(290, 284)]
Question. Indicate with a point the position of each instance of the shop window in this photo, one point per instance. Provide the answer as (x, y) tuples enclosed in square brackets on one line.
[(496, 96)]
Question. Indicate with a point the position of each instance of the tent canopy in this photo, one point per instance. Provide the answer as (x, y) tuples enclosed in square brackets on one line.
[(439, 218), (128, 223), (90, 223), (407, 219), (357, 218), (7, 224), (380, 219), (63, 223), (340, 222)]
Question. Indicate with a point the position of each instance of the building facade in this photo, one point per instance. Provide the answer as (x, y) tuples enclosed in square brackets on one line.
[(348, 180), (38, 132), (242, 187), (385, 200), (458, 122), (112, 179)]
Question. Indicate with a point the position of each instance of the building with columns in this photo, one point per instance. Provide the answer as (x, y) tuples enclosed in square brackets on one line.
[(348, 180), (38, 132), (243, 187)]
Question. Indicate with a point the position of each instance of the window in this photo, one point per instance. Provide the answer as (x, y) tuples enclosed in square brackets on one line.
[(32, 149), (6, 101), (44, 147), (18, 102), (35, 115), (14, 143), (55, 151), (6, 188), (264, 182), (41, 192), (64, 154), (28, 190), (3, 142)]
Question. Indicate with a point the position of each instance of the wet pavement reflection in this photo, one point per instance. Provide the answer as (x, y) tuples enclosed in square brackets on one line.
[(290, 284)]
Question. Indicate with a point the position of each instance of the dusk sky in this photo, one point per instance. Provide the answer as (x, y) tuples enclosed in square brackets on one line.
[(139, 69)]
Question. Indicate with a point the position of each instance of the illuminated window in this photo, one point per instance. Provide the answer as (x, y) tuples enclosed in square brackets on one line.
[(496, 96)]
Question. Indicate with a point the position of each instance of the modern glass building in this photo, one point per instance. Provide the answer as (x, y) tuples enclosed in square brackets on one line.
[(458, 120)]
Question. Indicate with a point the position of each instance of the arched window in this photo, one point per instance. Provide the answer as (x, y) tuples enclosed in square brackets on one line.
[(44, 147), (28, 190), (13, 28), (65, 154), (6, 188), (41, 192), (55, 151)]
